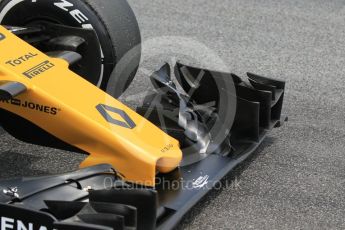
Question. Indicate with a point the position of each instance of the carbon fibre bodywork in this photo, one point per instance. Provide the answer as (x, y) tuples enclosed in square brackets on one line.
[(96, 198)]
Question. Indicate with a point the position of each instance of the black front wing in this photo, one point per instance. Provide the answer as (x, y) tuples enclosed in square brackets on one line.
[(95, 198)]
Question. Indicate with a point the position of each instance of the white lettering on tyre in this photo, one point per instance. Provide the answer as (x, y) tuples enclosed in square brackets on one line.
[(63, 4), (75, 13)]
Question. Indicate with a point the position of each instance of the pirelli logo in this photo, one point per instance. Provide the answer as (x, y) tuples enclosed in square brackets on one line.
[(2, 37), (38, 69)]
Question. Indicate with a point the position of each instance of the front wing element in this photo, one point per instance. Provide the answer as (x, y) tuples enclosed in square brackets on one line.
[(95, 198)]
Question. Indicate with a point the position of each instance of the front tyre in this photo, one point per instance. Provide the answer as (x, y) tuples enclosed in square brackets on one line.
[(112, 20)]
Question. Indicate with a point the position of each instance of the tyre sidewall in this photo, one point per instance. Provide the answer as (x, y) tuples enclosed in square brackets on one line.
[(67, 12)]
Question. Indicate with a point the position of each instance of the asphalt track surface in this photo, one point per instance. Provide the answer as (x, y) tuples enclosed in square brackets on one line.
[(295, 180)]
